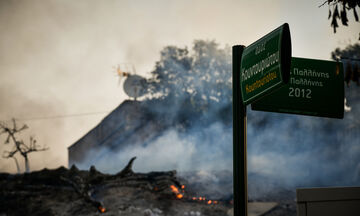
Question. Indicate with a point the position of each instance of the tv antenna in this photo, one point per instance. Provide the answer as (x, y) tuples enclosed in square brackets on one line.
[(134, 85)]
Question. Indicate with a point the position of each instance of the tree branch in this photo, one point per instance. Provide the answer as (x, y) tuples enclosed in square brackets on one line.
[(323, 4), (19, 145), (9, 154)]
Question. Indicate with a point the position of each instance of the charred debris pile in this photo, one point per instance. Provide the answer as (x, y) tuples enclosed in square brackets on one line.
[(77, 192)]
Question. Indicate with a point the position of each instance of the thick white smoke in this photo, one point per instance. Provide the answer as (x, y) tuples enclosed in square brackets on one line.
[(284, 151), (196, 150)]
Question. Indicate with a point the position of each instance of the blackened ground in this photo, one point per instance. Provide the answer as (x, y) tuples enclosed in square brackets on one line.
[(262, 191), (72, 192), (76, 192), (283, 208)]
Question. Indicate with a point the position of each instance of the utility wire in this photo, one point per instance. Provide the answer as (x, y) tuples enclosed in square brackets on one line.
[(62, 116)]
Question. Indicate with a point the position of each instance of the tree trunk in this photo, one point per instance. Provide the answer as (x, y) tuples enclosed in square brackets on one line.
[(27, 168), (17, 165)]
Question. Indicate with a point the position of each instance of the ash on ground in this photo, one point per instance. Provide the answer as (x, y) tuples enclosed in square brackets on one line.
[(77, 192), (74, 192)]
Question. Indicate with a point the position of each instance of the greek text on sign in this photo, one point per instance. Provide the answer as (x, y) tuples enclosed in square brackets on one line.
[(316, 88), (265, 64)]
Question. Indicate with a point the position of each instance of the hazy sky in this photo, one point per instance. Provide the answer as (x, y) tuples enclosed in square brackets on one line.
[(57, 56)]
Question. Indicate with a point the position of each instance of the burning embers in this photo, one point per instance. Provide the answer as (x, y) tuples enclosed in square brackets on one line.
[(102, 209), (203, 199), (181, 195), (176, 191), (89, 192)]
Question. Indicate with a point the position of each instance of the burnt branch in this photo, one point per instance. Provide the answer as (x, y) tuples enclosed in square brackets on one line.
[(9, 154), (83, 189), (128, 169), (19, 145), (33, 147)]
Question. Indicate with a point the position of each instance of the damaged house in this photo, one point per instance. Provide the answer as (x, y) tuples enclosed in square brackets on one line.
[(131, 123)]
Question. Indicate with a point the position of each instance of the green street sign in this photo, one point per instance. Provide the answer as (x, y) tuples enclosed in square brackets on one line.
[(265, 64), (316, 88)]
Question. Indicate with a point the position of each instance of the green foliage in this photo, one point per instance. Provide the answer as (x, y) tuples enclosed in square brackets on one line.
[(343, 6), (204, 74), (351, 58), (171, 74), (196, 81), (351, 51)]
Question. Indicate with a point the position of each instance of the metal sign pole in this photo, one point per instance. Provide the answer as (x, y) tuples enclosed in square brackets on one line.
[(239, 137)]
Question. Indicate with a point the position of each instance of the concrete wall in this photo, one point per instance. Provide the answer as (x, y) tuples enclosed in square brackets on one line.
[(334, 201)]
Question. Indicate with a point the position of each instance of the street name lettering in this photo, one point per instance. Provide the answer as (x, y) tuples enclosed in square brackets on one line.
[(271, 80), (259, 67), (261, 82), (265, 64), (316, 88)]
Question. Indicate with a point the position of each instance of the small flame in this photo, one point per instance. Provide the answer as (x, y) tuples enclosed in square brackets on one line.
[(102, 209), (180, 195), (209, 202), (176, 191)]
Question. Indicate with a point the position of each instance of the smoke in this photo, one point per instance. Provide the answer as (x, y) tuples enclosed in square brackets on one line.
[(173, 150), (56, 59), (301, 151), (56, 56), (284, 151)]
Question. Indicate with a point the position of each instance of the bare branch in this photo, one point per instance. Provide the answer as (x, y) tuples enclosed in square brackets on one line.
[(23, 128), (14, 123), (329, 3), (3, 128), (9, 154), (323, 3), (8, 139), (23, 148), (19, 145), (41, 149), (35, 148)]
